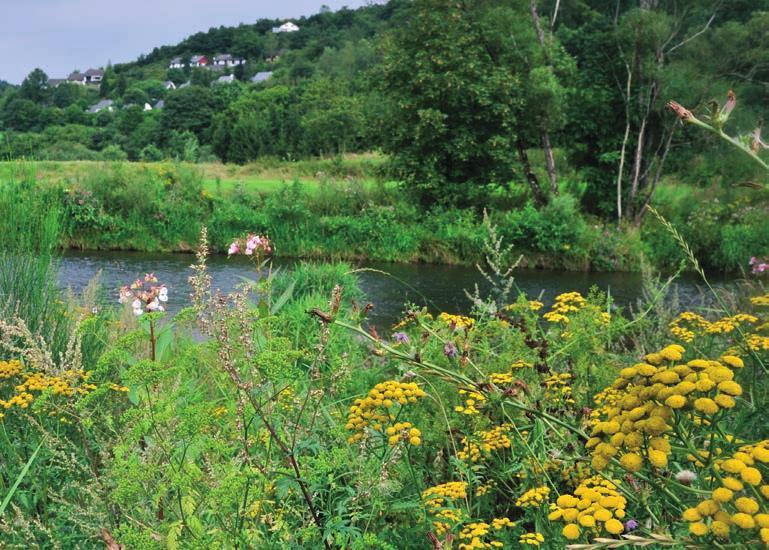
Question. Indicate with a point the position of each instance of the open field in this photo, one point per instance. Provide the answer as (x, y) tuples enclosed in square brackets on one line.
[(265, 176)]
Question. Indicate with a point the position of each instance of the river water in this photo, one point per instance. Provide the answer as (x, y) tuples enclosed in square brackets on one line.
[(440, 287)]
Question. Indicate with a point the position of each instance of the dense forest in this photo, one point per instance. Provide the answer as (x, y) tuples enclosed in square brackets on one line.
[(456, 94)]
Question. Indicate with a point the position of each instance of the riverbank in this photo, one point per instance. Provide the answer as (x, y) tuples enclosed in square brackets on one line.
[(343, 210)]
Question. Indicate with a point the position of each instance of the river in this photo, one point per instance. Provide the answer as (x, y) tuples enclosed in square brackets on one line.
[(440, 287)]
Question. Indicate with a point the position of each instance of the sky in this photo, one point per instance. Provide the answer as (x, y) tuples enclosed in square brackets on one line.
[(60, 36)]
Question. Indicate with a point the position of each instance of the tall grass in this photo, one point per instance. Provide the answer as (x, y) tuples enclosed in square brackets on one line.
[(30, 227)]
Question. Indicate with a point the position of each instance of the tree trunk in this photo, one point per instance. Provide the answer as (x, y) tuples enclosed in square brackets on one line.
[(550, 162), (621, 170), (539, 197), (546, 146)]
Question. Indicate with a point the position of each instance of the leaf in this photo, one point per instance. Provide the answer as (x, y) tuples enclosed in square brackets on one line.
[(172, 538), (164, 340), (285, 297), (19, 479)]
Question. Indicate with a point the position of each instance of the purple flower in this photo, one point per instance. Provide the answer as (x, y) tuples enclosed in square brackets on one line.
[(450, 350), (401, 337), (631, 525)]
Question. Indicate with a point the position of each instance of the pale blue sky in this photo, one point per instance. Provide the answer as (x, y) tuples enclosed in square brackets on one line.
[(62, 35)]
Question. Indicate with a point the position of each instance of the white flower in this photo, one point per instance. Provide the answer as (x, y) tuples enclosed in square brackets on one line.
[(136, 304), (163, 294), (686, 477), (138, 311), (154, 305)]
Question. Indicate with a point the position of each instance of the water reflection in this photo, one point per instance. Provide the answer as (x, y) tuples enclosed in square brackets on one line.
[(440, 287)]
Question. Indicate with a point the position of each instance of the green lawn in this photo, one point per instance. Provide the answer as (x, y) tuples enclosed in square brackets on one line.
[(261, 177)]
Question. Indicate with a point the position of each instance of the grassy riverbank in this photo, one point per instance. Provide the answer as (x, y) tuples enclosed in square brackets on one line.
[(334, 209)]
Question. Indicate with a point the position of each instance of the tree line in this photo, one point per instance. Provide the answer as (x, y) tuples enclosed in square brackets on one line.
[(457, 93)]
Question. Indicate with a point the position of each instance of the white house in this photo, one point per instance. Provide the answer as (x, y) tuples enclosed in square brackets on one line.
[(103, 105), (225, 79), (226, 60), (147, 107), (288, 26), (169, 85), (93, 76), (261, 76), (176, 63)]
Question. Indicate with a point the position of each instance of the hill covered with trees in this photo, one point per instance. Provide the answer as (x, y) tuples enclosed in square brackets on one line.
[(458, 94)]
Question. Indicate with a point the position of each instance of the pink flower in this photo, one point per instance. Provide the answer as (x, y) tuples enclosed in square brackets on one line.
[(234, 248)]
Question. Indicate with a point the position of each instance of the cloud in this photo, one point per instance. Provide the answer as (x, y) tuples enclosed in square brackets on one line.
[(61, 35)]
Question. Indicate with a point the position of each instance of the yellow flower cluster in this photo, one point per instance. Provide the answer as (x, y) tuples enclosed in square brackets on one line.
[(558, 390), (569, 302), (688, 325), (501, 378), (595, 505), (741, 500), (376, 410), (756, 342), (118, 387), (472, 400), (760, 300), (532, 539), (729, 324), (484, 443), (531, 305), (67, 383), (520, 364), (9, 369), (533, 498), (636, 412), (684, 326), (472, 535), (485, 488), (456, 322), (403, 431), (439, 502)]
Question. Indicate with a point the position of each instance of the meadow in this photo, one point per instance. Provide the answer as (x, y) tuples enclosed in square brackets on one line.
[(292, 424)]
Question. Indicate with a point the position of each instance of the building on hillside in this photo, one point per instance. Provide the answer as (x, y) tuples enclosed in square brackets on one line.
[(103, 105), (261, 76), (76, 78), (147, 107), (198, 61), (225, 79), (169, 85), (53, 82), (185, 85), (288, 26), (227, 60), (176, 63), (159, 105), (93, 76)]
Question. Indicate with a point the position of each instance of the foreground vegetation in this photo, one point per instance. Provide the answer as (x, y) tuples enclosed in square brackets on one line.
[(292, 425)]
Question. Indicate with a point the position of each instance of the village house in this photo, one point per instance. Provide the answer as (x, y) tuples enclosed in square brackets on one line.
[(288, 26), (225, 79), (261, 76), (103, 105), (198, 61), (176, 63), (91, 76), (226, 60), (169, 85)]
